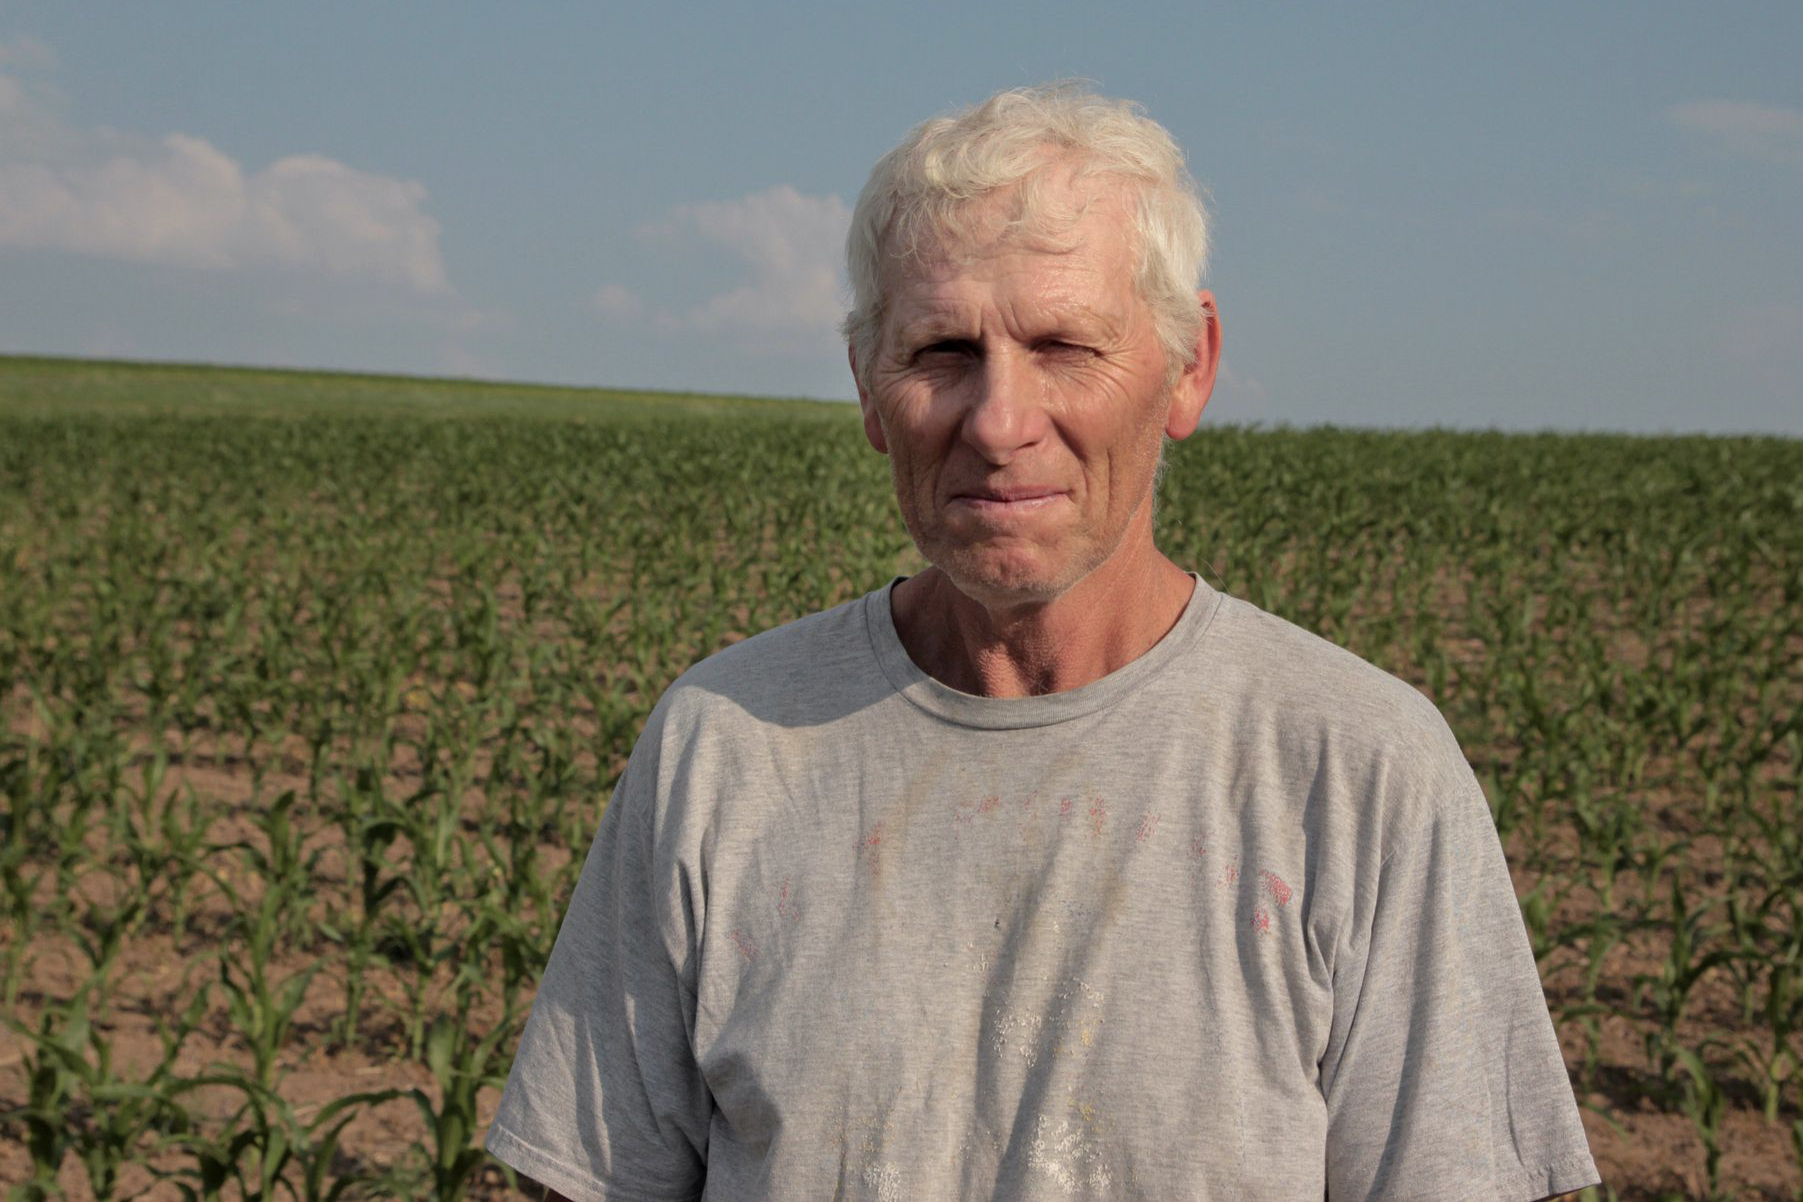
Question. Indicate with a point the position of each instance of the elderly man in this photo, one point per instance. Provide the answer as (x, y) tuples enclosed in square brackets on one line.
[(1049, 872)]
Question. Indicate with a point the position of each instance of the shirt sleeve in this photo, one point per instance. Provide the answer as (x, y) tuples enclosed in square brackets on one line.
[(605, 1099), (1442, 1075)]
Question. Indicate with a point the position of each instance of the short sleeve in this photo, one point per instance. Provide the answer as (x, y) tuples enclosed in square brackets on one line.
[(1442, 1075), (605, 1099)]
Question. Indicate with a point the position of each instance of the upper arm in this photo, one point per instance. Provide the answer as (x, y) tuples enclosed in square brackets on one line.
[(605, 1091), (1443, 1064)]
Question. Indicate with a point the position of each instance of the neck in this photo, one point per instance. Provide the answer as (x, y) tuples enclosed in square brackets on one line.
[(1102, 623)]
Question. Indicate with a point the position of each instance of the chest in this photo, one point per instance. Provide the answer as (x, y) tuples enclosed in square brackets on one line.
[(975, 971)]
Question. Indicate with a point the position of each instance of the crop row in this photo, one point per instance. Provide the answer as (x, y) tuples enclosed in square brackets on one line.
[(306, 721)]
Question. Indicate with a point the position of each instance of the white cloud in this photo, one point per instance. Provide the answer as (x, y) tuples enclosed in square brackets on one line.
[(29, 128), (27, 54), (617, 302), (1762, 131), (181, 201), (792, 244), (461, 361)]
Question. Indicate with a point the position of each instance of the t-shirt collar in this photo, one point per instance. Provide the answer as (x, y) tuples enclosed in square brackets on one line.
[(1016, 713)]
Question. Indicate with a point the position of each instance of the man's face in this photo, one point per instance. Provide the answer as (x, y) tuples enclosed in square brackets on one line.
[(1019, 390)]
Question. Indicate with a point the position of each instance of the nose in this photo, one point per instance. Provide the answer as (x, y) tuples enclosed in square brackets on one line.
[(1006, 411)]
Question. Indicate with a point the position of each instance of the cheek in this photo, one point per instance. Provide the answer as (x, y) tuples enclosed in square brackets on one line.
[(1133, 462), (917, 440), (913, 476)]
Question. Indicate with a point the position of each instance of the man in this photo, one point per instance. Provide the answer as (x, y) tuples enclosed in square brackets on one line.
[(1049, 872)]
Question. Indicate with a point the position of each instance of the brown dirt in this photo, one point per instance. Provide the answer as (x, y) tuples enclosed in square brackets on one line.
[(1643, 1152)]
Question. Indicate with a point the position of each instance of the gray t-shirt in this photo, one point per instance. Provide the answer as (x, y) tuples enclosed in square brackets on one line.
[(1231, 922)]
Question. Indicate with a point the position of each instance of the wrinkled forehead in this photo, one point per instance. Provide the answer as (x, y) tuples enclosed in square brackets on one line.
[(1053, 211)]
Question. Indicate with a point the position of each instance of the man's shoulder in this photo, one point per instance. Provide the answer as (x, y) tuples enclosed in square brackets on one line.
[(835, 632), (1341, 733), (795, 673), (1277, 670)]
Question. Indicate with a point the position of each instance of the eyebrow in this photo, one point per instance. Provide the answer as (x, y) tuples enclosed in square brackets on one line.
[(937, 324)]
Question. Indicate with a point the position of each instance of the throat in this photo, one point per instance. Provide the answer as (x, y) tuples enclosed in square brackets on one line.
[(1036, 649)]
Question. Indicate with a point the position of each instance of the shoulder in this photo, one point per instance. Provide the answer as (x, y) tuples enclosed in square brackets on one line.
[(798, 674), (1327, 715), (718, 726), (1315, 680)]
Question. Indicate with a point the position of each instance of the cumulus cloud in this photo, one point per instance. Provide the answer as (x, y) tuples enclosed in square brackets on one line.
[(1761, 131), (461, 361), (790, 243), (617, 302), (26, 53), (181, 201)]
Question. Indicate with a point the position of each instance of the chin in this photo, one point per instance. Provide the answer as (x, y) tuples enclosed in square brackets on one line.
[(1008, 580)]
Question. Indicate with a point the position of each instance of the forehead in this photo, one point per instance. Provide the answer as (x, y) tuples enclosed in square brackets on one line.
[(1062, 240)]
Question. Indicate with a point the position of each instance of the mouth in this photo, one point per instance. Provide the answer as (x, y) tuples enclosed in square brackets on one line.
[(1017, 499)]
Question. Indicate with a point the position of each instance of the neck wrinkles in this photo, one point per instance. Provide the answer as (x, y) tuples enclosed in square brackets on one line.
[(1103, 623)]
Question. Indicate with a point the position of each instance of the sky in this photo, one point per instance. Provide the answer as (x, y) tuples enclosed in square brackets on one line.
[(1526, 216)]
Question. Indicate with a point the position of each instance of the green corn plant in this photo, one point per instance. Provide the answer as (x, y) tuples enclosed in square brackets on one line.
[(1537, 916), (266, 1150), (1784, 1022), (1668, 989), (21, 870), (462, 1063), (184, 826), (77, 1102), (55, 1064), (1796, 1127), (371, 880), (260, 1006), (1606, 830), (431, 823), (262, 1009), (102, 929), (1705, 1105)]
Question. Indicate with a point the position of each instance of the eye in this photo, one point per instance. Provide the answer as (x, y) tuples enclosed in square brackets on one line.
[(1063, 348), (946, 347)]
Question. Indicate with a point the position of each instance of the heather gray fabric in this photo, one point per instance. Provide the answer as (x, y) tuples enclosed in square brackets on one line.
[(1231, 922)]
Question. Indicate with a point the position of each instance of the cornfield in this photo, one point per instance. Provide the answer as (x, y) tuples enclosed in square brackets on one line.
[(313, 689)]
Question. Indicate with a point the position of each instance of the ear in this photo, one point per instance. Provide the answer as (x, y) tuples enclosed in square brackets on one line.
[(1197, 383), (873, 428)]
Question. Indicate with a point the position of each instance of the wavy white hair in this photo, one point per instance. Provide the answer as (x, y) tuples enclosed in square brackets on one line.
[(921, 194)]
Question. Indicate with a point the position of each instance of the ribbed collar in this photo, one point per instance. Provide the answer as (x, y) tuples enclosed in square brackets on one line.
[(1018, 713)]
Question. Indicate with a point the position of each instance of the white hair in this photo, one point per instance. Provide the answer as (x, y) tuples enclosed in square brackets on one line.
[(921, 194)]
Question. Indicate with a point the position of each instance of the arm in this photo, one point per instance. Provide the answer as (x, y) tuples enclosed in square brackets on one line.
[(604, 1096), (1442, 1064)]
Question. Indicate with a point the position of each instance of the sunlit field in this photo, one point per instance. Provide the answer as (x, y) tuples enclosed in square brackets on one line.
[(313, 688)]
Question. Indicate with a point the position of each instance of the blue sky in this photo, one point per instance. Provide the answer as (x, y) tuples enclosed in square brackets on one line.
[(1570, 216)]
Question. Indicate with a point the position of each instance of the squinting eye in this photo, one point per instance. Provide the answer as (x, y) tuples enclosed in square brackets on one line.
[(945, 346)]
